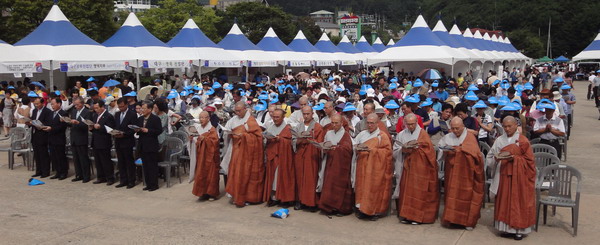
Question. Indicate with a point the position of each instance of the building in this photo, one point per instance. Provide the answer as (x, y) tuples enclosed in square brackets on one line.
[(133, 5), (223, 4), (323, 16)]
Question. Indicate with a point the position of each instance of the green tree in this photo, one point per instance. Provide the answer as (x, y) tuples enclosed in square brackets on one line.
[(165, 21), (92, 17), (309, 28)]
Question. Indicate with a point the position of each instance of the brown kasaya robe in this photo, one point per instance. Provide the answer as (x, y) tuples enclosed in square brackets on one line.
[(246, 170), (464, 183), (337, 194), (419, 191), (515, 201), (384, 129), (206, 178), (280, 168), (374, 170), (307, 161)]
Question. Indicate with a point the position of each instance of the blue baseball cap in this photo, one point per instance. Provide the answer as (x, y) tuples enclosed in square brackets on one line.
[(130, 94), (184, 93), (493, 100), (559, 80), (504, 100), (435, 84), (349, 107), (393, 86), (32, 94), (210, 92), (172, 95), (216, 85), (565, 86), (528, 86), (496, 82), (473, 87), (418, 83), (480, 104), (394, 80), (90, 79), (427, 102), (413, 99), (391, 105), (261, 106), (471, 96), (319, 107)]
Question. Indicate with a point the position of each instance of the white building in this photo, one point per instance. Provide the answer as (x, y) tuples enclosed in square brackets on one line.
[(133, 5)]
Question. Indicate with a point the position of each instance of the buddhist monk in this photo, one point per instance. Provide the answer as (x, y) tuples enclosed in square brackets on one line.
[(417, 172), (243, 159), (329, 109), (464, 181), (280, 183), (206, 180), (372, 170), (307, 160), (514, 182), (335, 183)]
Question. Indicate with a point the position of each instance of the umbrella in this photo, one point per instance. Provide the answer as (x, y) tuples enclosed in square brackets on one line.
[(431, 74), (111, 83), (302, 76), (39, 85), (146, 91)]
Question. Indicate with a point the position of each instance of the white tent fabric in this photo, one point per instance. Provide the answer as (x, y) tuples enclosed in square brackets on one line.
[(478, 38), (273, 45), (56, 39), (378, 45), (346, 46), (418, 45), (457, 35), (192, 44), (441, 32), (301, 44), (591, 52), (390, 43), (326, 46), (12, 54), (363, 46)]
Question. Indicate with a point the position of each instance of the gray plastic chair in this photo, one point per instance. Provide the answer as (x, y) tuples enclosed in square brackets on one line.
[(542, 160), (185, 157), (18, 136), (172, 150), (485, 148), (560, 178), (544, 148), (535, 141), (563, 142)]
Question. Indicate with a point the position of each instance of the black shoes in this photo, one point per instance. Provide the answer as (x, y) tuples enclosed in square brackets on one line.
[(150, 189), (36, 175), (110, 182), (62, 177), (44, 175), (55, 177), (85, 181), (130, 186), (120, 185), (99, 182), (76, 179)]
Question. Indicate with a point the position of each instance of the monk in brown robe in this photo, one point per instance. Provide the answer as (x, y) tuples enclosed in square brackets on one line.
[(280, 183), (330, 112), (417, 172), (464, 180), (335, 182), (307, 159), (206, 180), (514, 182), (243, 159), (373, 170)]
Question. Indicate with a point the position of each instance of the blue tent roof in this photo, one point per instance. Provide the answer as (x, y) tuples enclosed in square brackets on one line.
[(468, 35), (300, 44), (442, 33), (459, 38), (272, 43), (363, 46), (2, 41), (133, 34), (378, 45), (346, 46), (326, 46), (190, 36), (561, 59), (419, 35), (56, 30), (235, 40), (594, 45)]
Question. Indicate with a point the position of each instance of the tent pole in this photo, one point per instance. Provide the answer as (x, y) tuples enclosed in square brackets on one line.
[(137, 74), (51, 76), (452, 74), (247, 74), (200, 70)]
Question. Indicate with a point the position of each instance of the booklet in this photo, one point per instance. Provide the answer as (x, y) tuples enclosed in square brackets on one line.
[(66, 119), (38, 124), (112, 131), (134, 127), (323, 146), (88, 122)]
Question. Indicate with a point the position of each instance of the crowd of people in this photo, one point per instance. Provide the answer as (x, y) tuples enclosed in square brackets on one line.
[(341, 143)]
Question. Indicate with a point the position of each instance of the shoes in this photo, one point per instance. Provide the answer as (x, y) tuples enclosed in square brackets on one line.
[(76, 179), (109, 183), (469, 228), (99, 182), (44, 175), (36, 175), (62, 177), (145, 188), (54, 177), (153, 189), (272, 203), (298, 206), (120, 185), (518, 237), (85, 181), (210, 199), (130, 186)]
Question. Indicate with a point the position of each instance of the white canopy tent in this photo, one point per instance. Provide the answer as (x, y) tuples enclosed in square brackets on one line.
[(591, 52)]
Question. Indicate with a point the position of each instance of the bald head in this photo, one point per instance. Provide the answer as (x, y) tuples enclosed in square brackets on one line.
[(328, 108), (509, 123), (457, 127), (368, 109), (410, 122), (204, 118), (240, 109), (336, 122), (307, 114)]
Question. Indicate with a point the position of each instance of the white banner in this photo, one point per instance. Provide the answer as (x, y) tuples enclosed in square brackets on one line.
[(349, 63), (20, 67), (167, 64), (325, 63), (303, 63), (222, 63), (262, 63), (94, 66)]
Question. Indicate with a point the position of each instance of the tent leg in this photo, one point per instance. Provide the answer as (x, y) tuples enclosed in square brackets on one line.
[(452, 74), (51, 76), (247, 74), (137, 74), (200, 71)]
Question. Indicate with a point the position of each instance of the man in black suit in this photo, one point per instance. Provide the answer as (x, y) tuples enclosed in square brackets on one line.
[(39, 139), (57, 140), (79, 140), (124, 143), (102, 143), (150, 128)]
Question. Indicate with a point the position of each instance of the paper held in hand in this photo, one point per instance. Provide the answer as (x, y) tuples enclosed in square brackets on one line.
[(225, 131), (503, 155), (191, 130), (112, 131), (323, 146), (65, 119), (361, 147), (447, 148), (134, 127), (411, 144), (268, 135), (38, 124), (88, 122), (304, 134)]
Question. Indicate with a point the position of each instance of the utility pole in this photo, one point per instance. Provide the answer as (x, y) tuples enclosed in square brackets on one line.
[(549, 44)]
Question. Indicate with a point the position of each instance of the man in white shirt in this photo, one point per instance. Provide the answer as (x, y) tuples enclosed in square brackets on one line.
[(550, 127)]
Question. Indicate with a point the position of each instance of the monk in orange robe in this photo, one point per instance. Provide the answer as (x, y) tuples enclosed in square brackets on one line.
[(514, 182), (335, 184), (206, 177), (417, 172), (244, 159), (373, 170), (464, 173), (280, 183), (307, 160)]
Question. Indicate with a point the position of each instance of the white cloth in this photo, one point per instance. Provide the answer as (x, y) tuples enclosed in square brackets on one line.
[(402, 138), (297, 118), (556, 122)]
